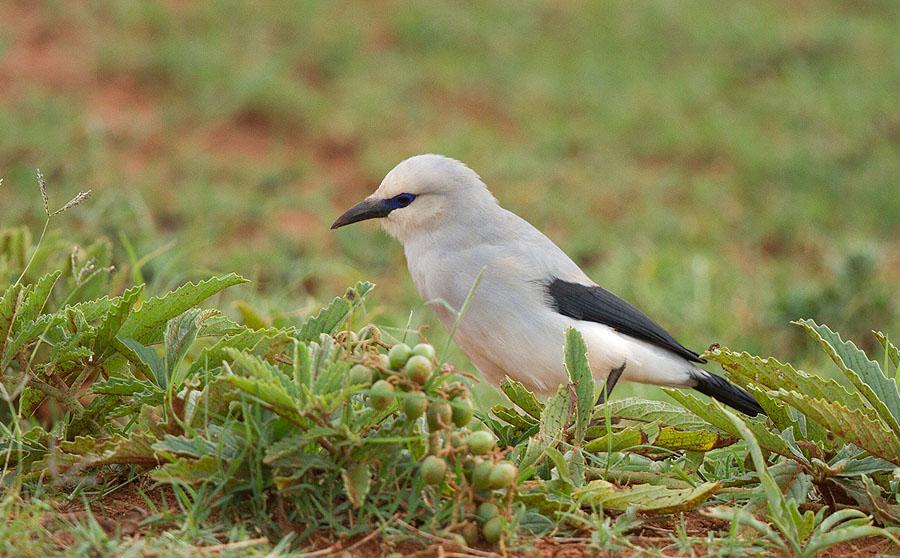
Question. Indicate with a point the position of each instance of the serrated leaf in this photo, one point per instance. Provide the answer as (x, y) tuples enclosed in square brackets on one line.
[(146, 325), (581, 377), (552, 427), (512, 417), (256, 367), (850, 424), (617, 440), (119, 310), (330, 318), (121, 386), (645, 410), (686, 440), (522, 397), (218, 325), (357, 480), (267, 384), (181, 332), (147, 361), (26, 334), (647, 498), (892, 351), (195, 447), (881, 391), (246, 340), (135, 450), (713, 414), (95, 309), (9, 308), (775, 375), (190, 471), (36, 297)]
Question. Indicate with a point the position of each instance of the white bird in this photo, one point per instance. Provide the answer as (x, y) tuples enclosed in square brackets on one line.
[(529, 293)]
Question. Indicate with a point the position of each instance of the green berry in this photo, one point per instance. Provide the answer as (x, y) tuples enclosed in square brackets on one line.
[(360, 374), (439, 415), (398, 355), (471, 533), (481, 442), (425, 350), (381, 395), (457, 440), (433, 469), (462, 411), (503, 475), (414, 405), (418, 369), (493, 530), (487, 511), (481, 475)]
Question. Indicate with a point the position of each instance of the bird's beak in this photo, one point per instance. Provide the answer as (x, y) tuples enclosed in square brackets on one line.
[(369, 208)]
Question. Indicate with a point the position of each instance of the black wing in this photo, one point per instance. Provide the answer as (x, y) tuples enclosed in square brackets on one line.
[(596, 304)]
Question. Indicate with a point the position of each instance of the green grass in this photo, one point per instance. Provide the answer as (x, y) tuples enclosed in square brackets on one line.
[(726, 168)]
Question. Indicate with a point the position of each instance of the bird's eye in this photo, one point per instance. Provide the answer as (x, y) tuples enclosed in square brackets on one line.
[(403, 200)]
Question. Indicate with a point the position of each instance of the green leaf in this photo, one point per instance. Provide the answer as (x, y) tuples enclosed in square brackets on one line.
[(267, 384), (645, 410), (190, 471), (357, 481), (581, 377), (151, 366), (715, 416), (865, 374), (246, 340), (181, 332), (510, 416), (617, 440), (36, 297), (147, 324), (559, 461), (180, 445), (553, 423), (521, 397), (774, 497), (850, 424), (119, 310), (892, 351), (774, 375), (845, 534), (121, 386), (650, 499), (687, 440), (89, 452), (9, 308), (330, 318), (28, 333)]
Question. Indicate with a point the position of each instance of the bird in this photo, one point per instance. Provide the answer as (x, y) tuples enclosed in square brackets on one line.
[(522, 292)]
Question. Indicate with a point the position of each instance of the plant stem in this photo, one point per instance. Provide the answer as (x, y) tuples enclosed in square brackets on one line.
[(34, 252)]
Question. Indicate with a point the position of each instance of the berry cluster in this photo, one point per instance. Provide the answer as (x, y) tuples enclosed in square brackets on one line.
[(463, 463)]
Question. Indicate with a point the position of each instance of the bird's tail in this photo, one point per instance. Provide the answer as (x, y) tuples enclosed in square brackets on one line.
[(722, 390)]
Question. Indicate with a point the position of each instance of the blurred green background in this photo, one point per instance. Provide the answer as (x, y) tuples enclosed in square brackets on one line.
[(727, 166)]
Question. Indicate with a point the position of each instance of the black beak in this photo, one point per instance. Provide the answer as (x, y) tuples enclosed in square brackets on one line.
[(369, 208)]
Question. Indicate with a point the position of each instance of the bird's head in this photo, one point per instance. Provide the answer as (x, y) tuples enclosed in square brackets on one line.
[(422, 194)]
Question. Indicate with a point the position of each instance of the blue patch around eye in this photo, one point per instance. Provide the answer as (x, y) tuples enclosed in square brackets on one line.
[(400, 200)]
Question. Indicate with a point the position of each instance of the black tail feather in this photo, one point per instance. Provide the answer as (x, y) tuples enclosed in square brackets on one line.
[(722, 390)]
